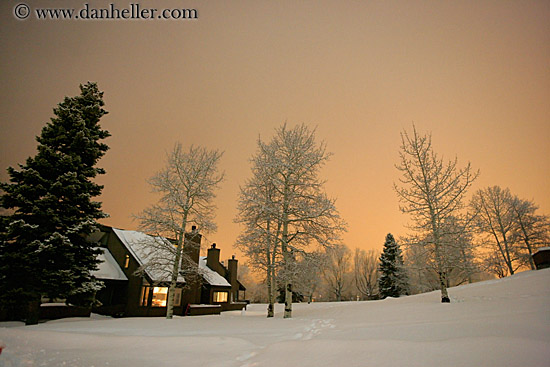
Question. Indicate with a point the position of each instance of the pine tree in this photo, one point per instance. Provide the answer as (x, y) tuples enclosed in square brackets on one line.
[(43, 250), (393, 279)]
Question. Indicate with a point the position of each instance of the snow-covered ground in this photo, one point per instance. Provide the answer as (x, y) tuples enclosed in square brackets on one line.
[(496, 323)]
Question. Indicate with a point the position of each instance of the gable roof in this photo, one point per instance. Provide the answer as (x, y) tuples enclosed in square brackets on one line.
[(210, 276), (151, 252), (108, 268)]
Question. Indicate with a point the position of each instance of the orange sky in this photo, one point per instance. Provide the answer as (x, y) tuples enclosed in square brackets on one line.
[(475, 73)]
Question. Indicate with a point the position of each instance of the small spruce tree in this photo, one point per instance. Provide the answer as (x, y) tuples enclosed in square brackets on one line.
[(43, 247), (393, 278)]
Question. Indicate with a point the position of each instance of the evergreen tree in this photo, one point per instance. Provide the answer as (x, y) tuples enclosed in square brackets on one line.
[(43, 247), (393, 279)]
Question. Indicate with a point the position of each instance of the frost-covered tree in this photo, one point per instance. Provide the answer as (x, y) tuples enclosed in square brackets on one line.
[(288, 196), (260, 217), (43, 251), (495, 219), (532, 229), (392, 281), (365, 270), (186, 184), (510, 226), (336, 269), (431, 191)]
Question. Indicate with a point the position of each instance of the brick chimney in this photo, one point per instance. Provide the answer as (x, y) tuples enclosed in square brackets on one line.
[(213, 259), (192, 244), (232, 277)]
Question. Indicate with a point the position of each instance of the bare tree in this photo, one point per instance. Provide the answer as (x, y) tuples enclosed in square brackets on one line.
[(495, 220), (532, 229), (336, 269), (187, 185), (284, 201), (431, 191), (511, 227), (259, 240), (365, 270)]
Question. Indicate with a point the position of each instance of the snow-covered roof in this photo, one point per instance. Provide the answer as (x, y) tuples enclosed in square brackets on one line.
[(108, 268), (209, 275), (542, 249), (151, 252)]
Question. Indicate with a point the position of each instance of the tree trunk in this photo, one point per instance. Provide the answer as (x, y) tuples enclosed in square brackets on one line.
[(288, 300), (443, 283), (467, 265), (176, 270), (286, 258), (440, 265), (527, 244), (288, 281), (270, 273), (270, 292), (507, 258)]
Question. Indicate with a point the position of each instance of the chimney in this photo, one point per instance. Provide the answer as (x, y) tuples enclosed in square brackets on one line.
[(192, 244), (213, 258), (232, 270)]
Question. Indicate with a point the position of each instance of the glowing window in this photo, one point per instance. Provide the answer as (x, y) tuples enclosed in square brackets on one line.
[(127, 262), (220, 296), (144, 299), (160, 295)]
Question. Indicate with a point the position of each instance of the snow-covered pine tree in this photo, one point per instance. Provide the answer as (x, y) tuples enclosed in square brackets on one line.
[(393, 278), (43, 250)]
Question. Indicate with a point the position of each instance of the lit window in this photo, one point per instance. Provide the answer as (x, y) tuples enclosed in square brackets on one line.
[(160, 295), (144, 299), (127, 262), (220, 296)]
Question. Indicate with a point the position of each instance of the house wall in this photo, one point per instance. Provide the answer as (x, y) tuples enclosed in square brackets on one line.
[(207, 295)]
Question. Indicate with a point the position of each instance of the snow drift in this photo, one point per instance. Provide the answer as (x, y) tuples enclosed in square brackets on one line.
[(496, 323)]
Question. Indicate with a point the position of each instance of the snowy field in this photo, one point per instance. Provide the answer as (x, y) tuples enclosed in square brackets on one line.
[(495, 323)]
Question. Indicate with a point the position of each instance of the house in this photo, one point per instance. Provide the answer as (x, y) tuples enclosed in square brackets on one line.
[(542, 258), (136, 270)]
